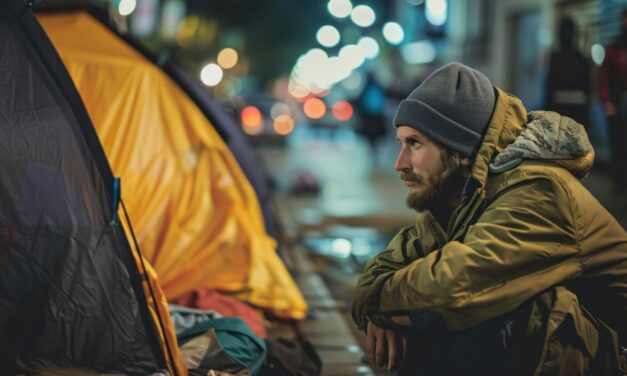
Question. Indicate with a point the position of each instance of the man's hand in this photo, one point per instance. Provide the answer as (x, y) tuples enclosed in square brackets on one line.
[(383, 344)]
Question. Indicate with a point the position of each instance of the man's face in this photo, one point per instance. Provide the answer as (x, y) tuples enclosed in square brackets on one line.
[(424, 167)]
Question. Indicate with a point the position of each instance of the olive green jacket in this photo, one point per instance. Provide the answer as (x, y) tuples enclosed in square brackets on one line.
[(528, 226)]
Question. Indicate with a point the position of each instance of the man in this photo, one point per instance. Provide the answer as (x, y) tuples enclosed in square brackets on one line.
[(512, 266), (568, 77)]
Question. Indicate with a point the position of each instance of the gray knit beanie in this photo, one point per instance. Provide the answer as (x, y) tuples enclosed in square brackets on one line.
[(452, 106)]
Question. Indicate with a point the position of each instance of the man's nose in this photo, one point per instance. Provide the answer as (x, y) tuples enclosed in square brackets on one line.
[(402, 163)]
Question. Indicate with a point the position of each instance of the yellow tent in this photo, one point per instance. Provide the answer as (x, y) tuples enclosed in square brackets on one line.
[(196, 216)]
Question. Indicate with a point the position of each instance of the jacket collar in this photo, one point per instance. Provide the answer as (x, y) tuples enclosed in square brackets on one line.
[(508, 120)]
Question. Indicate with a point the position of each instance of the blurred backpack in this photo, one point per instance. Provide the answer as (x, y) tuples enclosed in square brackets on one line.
[(224, 344), (291, 358)]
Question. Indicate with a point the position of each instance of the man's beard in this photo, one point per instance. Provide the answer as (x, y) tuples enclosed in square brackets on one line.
[(448, 181)]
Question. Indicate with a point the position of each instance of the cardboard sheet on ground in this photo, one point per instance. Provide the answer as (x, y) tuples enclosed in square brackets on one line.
[(195, 214)]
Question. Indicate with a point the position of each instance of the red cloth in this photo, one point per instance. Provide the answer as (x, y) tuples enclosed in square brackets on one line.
[(613, 75), (208, 299)]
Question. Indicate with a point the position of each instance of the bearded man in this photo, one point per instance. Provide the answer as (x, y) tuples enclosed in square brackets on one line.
[(512, 266)]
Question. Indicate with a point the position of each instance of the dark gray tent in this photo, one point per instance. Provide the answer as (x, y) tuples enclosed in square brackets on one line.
[(70, 291)]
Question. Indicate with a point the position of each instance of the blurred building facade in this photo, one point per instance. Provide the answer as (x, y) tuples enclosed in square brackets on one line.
[(512, 40)]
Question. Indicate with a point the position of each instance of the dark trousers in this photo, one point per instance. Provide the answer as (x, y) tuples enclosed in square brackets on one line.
[(489, 348)]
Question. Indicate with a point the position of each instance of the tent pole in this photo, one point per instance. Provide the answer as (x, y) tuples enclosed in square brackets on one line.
[(152, 294)]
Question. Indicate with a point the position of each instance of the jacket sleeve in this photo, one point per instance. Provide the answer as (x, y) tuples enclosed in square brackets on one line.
[(408, 245), (523, 243)]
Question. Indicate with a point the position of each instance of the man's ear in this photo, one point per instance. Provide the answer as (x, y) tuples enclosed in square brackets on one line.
[(465, 162)]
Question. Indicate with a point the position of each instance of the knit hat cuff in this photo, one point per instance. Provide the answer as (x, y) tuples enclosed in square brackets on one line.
[(426, 119)]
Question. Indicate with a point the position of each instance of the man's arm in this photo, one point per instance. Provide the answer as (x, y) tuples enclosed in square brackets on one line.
[(377, 270), (522, 244), (408, 245)]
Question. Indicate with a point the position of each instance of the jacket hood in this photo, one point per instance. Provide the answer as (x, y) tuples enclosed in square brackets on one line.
[(549, 136), (513, 136)]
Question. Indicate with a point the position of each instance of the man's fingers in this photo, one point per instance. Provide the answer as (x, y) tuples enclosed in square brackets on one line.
[(370, 342), (384, 347), (380, 348), (390, 339)]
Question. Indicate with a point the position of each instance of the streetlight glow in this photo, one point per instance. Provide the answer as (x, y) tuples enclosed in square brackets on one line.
[(211, 74), (340, 8), (227, 58), (127, 7), (393, 33), (421, 52), (369, 46), (363, 15), (314, 108), (436, 11), (598, 54), (328, 36)]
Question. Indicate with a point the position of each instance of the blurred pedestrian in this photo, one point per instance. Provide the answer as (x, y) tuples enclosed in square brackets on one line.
[(371, 108), (568, 79), (613, 93), (512, 267)]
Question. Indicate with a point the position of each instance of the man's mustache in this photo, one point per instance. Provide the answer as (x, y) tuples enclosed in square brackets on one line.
[(409, 176)]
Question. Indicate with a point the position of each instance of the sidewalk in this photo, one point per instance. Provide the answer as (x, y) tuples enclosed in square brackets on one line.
[(326, 326)]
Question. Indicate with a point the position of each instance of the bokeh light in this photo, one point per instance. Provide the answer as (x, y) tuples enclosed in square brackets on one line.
[(328, 36), (421, 52), (340, 8), (342, 110), (337, 69), (363, 15), (393, 33), (187, 29), (211, 74), (597, 52), (252, 120), (284, 124), (227, 58), (352, 82), (126, 7), (369, 46), (314, 108), (352, 55), (436, 11), (317, 73), (297, 90), (341, 247), (310, 73), (279, 109)]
